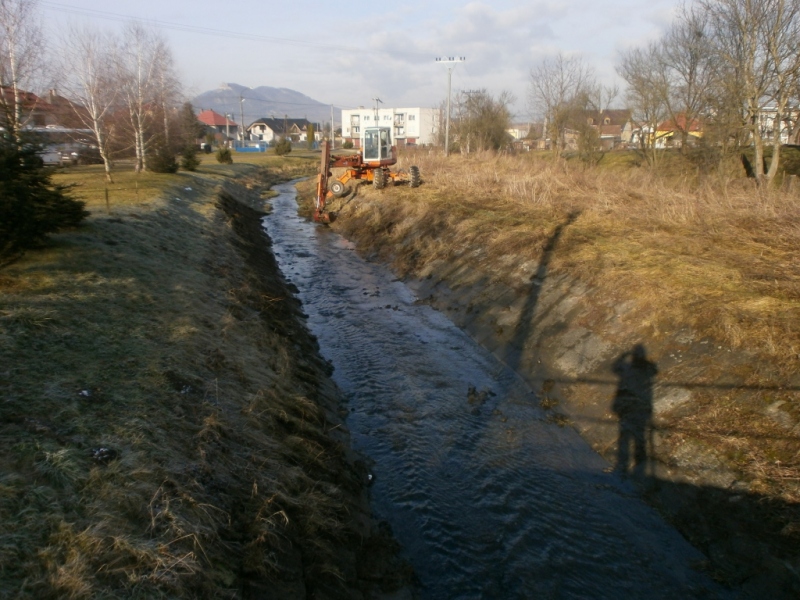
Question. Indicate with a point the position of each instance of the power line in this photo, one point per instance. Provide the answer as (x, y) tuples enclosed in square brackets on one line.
[(111, 16)]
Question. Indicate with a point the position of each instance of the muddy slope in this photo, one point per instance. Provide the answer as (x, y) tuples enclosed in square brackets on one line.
[(575, 347)]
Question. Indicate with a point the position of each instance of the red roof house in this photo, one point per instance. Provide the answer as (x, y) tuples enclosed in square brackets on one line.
[(217, 122)]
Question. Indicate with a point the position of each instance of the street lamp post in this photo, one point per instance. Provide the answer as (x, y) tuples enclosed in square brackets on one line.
[(451, 61)]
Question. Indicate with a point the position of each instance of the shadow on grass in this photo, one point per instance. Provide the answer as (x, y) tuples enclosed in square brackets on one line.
[(526, 323)]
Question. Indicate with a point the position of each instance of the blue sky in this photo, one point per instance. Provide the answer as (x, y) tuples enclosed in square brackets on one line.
[(348, 53)]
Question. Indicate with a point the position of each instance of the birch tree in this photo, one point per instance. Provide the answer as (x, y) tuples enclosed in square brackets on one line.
[(146, 73), (21, 57), (89, 60)]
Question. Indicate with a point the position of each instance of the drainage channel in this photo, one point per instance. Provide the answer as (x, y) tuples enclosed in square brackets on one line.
[(487, 498)]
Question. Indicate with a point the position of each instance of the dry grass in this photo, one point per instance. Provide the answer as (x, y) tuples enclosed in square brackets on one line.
[(715, 256), (718, 256)]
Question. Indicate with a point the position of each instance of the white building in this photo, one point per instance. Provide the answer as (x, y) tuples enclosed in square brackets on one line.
[(410, 126)]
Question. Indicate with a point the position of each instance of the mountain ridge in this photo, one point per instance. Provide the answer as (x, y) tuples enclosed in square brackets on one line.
[(264, 101)]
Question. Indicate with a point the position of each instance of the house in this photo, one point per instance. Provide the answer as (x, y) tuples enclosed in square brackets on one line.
[(613, 125), (519, 131), (221, 127), (410, 126), (788, 129), (270, 129), (669, 134), (35, 112)]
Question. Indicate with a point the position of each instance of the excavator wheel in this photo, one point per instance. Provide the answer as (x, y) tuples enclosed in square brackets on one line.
[(379, 179), (338, 189), (413, 176)]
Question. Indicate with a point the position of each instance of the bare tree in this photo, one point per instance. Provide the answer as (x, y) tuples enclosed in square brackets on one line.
[(690, 69), (22, 59), (89, 60), (481, 120), (146, 82), (559, 87), (756, 40), (647, 90)]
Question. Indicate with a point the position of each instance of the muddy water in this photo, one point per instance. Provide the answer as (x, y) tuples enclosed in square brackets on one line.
[(487, 498)]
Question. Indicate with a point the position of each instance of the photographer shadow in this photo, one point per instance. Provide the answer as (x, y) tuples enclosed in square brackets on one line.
[(633, 406)]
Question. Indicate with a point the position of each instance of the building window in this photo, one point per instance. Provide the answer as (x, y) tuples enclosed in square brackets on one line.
[(412, 117), (387, 118), (366, 117), (356, 129)]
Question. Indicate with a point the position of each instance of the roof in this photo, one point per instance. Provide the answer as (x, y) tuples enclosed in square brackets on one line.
[(615, 116), (214, 119), (277, 125), (679, 124), (28, 100)]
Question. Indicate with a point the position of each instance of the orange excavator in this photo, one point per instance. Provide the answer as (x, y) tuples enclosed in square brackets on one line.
[(370, 164)]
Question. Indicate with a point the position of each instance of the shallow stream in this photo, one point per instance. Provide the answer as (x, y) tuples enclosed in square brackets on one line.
[(487, 498)]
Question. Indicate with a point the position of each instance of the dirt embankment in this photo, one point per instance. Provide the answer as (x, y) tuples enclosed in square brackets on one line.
[(587, 354), (167, 427)]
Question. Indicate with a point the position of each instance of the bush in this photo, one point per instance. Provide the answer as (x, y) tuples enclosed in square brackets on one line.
[(348, 145), (31, 206), (163, 159), (283, 147), (189, 160), (224, 155)]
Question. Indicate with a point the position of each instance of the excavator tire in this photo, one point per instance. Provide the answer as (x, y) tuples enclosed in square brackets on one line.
[(379, 179), (338, 189), (413, 177)]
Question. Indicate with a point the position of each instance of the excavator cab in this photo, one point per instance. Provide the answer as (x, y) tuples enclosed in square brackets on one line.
[(377, 144)]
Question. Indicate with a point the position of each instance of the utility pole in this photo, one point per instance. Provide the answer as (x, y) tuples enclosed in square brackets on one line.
[(451, 61), (241, 109), (333, 136), (377, 100), (227, 128)]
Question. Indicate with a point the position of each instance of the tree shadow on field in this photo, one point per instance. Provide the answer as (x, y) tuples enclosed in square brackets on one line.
[(525, 324)]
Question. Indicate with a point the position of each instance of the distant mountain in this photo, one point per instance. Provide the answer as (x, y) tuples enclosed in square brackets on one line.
[(264, 101)]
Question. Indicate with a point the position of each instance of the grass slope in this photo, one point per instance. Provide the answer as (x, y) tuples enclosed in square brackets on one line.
[(167, 428)]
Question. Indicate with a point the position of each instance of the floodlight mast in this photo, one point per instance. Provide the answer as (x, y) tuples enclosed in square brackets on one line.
[(451, 61)]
